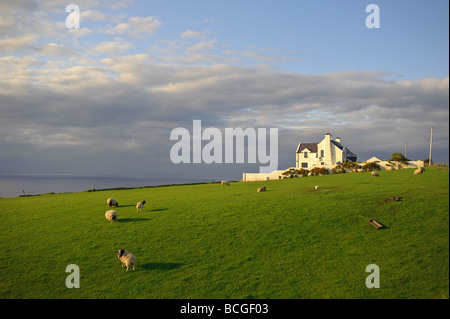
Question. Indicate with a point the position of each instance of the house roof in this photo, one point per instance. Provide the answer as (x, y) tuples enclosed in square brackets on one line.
[(337, 144), (312, 147)]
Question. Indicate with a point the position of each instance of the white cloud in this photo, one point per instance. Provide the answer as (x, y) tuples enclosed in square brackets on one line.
[(195, 34), (16, 44), (118, 46), (137, 27)]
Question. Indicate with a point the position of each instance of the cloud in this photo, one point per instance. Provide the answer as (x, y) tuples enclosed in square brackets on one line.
[(55, 50), (81, 104), (118, 46), (195, 34), (136, 27), (16, 44)]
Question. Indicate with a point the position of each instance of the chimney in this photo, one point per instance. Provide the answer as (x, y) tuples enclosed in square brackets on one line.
[(338, 139), (327, 148)]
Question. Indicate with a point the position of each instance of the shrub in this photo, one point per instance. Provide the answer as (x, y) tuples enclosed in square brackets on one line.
[(301, 171), (349, 164), (338, 169), (398, 157), (371, 167), (319, 171)]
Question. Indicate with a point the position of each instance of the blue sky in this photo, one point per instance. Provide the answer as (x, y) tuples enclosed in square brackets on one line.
[(104, 98), (314, 36)]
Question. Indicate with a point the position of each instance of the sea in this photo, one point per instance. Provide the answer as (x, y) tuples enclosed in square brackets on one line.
[(16, 185)]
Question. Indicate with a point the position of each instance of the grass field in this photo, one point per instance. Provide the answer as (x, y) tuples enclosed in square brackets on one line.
[(213, 241)]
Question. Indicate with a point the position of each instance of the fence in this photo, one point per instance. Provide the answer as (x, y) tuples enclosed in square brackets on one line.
[(438, 166)]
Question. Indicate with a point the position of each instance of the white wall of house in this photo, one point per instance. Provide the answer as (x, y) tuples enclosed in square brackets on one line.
[(327, 155)]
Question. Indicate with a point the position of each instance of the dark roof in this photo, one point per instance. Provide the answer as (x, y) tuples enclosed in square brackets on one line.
[(337, 144), (310, 146)]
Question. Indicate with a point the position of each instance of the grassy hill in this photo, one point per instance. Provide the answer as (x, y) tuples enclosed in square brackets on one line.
[(213, 241)]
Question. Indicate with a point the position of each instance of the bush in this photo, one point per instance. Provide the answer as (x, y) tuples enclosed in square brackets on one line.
[(338, 169), (349, 164), (398, 157), (371, 167), (301, 171), (319, 171)]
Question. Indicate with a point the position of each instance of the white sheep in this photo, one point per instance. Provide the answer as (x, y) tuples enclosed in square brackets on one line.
[(225, 183), (316, 187), (112, 202), (139, 206), (418, 171), (111, 215), (126, 258), (375, 173)]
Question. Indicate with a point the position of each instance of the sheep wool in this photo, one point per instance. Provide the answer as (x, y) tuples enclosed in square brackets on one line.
[(112, 202), (111, 215), (139, 206), (126, 258)]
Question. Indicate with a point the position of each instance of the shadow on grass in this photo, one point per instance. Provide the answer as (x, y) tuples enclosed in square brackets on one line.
[(126, 220), (158, 209), (161, 266)]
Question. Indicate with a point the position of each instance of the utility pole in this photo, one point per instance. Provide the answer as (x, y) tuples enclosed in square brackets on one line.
[(406, 143), (431, 144)]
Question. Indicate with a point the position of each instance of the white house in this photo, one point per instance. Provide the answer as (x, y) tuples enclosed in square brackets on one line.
[(326, 153)]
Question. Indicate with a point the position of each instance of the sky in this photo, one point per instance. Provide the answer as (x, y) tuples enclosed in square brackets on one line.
[(103, 99)]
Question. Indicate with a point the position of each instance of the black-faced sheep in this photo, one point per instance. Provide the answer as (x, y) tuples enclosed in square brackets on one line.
[(126, 258), (418, 171), (111, 215), (139, 206), (112, 202), (262, 189)]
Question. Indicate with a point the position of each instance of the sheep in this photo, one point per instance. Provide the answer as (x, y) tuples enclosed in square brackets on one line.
[(112, 202), (225, 183), (262, 189), (111, 215), (139, 206), (418, 171), (316, 187), (126, 258), (375, 173)]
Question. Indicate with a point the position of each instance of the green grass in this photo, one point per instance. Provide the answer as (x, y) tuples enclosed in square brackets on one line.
[(211, 241)]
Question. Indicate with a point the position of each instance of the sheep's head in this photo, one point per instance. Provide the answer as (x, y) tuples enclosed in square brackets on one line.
[(143, 202), (120, 252)]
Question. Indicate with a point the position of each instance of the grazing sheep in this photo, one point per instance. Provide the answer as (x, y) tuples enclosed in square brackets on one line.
[(316, 187), (418, 171), (262, 189), (225, 183), (375, 173), (111, 215), (112, 202), (139, 206), (126, 258), (422, 169)]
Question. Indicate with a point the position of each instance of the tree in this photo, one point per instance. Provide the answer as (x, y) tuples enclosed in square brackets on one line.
[(399, 157)]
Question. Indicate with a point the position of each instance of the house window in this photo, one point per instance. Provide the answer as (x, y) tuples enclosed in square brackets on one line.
[(322, 153), (304, 165), (305, 154), (322, 163)]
